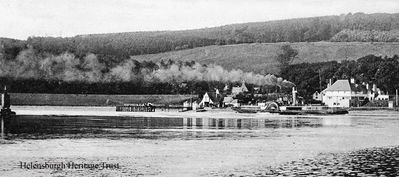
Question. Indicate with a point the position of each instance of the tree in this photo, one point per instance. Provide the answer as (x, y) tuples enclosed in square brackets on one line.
[(286, 55)]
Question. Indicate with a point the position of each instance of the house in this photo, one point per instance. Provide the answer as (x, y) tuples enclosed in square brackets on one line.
[(346, 94), (382, 97), (317, 96), (230, 101), (190, 104), (237, 90), (226, 88), (212, 99)]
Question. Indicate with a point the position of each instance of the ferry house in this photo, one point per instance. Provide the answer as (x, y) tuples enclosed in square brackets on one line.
[(346, 94)]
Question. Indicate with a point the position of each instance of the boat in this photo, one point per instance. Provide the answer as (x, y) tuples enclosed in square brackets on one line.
[(320, 110)]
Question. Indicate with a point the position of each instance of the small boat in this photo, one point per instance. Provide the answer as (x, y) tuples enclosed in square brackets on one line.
[(320, 110)]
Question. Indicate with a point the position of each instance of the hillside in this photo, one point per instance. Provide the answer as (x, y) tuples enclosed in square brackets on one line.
[(119, 46), (127, 63), (260, 57)]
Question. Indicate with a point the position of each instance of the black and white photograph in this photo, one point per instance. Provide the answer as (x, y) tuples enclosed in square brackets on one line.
[(199, 88)]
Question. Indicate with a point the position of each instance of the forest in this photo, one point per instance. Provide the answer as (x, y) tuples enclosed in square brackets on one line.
[(311, 77), (117, 46)]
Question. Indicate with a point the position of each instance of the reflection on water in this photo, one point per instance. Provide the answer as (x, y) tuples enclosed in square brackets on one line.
[(248, 123), (74, 124)]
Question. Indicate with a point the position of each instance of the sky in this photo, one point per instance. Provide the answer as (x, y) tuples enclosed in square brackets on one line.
[(23, 18)]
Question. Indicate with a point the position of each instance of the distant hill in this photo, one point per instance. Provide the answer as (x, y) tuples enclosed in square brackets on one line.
[(119, 46), (260, 57)]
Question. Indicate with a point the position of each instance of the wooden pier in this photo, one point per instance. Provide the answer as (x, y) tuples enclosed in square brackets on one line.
[(135, 108), (150, 108)]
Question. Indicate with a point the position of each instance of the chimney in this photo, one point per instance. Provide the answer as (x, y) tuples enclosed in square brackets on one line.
[(329, 83), (294, 91), (367, 86), (374, 88), (352, 80)]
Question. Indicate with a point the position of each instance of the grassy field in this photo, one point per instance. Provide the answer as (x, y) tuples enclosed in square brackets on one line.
[(92, 100), (260, 57)]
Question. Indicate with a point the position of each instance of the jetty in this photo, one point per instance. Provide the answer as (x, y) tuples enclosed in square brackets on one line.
[(148, 107), (5, 113)]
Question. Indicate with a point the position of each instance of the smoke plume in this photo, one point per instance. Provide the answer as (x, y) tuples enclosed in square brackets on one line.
[(67, 67)]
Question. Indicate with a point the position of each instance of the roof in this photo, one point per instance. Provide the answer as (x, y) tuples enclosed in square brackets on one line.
[(244, 87), (227, 99), (239, 89), (340, 85), (214, 97), (236, 90), (345, 85)]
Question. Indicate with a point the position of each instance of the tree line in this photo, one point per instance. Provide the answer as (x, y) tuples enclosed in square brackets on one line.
[(366, 36), (116, 46)]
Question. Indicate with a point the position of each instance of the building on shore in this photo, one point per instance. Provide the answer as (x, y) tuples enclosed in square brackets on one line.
[(382, 97), (317, 96), (230, 101), (212, 99), (345, 93)]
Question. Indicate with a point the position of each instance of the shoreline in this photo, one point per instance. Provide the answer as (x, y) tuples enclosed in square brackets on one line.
[(79, 111), (82, 111)]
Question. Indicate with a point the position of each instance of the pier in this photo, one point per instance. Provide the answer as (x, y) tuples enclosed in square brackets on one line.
[(136, 108), (5, 112), (150, 108)]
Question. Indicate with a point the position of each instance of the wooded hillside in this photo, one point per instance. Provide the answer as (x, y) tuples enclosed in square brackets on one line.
[(261, 58), (117, 46)]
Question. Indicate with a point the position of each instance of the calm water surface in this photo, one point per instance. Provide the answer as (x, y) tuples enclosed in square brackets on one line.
[(189, 147), (161, 127)]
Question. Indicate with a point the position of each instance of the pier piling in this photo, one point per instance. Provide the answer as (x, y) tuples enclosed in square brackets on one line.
[(5, 112), (2, 127)]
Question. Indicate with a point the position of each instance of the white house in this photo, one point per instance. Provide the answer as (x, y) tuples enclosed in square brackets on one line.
[(317, 96), (346, 94), (382, 97), (229, 101), (211, 99), (206, 100), (338, 94)]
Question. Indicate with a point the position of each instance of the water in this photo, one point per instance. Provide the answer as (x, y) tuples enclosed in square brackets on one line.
[(205, 146), (160, 126)]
